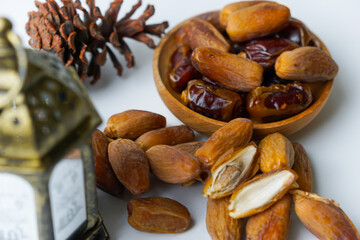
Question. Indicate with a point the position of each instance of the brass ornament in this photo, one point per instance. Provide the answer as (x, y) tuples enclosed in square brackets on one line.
[(12, 72)]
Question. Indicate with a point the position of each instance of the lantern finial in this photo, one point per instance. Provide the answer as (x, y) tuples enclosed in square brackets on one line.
[(12, 63)]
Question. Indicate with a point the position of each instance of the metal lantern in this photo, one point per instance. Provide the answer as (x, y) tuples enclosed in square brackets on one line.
[(47, 182)]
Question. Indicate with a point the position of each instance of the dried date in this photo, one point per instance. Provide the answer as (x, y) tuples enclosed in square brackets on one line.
[(182, 69), (228, 70), (105, 175), (256, 21), (265, 51), (158, 215), (278, 101), (211, 101), (213, 18), (201, 33)]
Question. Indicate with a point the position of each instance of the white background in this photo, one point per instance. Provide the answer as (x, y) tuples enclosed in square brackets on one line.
[(332, 139)]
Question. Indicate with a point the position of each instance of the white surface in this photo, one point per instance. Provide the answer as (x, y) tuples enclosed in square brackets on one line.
[(332, 139)]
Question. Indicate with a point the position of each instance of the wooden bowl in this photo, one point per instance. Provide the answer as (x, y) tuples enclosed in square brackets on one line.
[(202, 124)]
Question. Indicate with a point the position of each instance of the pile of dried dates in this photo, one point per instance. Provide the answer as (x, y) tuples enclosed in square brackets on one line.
[(243, 179), (135, 142), (251, 59)]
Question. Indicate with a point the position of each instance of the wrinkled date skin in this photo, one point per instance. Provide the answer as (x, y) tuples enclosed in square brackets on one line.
[(158, 215), (200, 33), (272, 224), (219, 224), (130, 165), (266, 51), (307, 64), (208, 100), (167, 136), (190, 147), (302, 166), (228, 70), (323, 217), (172, 165), (182, 69), (133, 123), (278, 101), (234, 134), (257, 21), (105, 176), (233, 7)]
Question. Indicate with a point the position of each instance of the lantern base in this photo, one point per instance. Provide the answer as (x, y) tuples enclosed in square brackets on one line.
[(98, 232)]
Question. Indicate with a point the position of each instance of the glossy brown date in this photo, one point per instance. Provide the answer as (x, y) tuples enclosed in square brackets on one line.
[(278, 101), (265, 51), (182, 69), (297, 32), (211, 101)]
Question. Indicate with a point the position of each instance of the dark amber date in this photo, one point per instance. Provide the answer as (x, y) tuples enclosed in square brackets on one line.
[(278, 101), (105, 175), (270, 78), (182, 69), (178, 56), (265, 51), (211, 101), (297, 32)]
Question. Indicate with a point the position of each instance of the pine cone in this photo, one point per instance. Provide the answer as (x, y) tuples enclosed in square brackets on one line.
[(62, 31)]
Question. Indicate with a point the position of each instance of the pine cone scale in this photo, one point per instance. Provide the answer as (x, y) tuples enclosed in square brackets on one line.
[(95, 32), (143, 37), (129, 28), (78, 23), (100, 59), (71, 41), (66, 29), (50, 27), (97, 13), (54, 9), (64, 14), (133, 9), (149, 12), (116, 63), (56, 43), (114, 40), (43, 9), (156, 29), (82, 56), (35, 42), (61, 30), (46, 40), (110, 18)]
